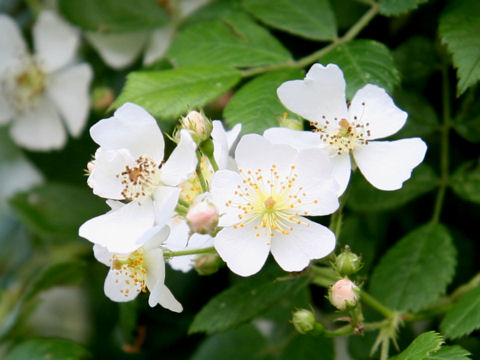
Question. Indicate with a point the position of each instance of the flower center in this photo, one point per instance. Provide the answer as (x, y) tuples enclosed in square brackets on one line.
[(130, 271), (24, 84), (269, 201), (141, 180)]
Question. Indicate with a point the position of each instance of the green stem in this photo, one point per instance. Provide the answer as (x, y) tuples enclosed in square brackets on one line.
[(336, 222), (310, 59), (35, 6), (376, 305), (213, 162), (444, 150), (201, 178), (170, 254), (184, 203), (182, 210)]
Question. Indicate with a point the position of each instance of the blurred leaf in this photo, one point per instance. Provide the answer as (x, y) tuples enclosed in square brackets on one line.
[(114, 15), (244, 343), (397, 7), (363, 197), (465, 181), (48, 349), (55, 211), (312, 19), (450, 353), (256, 105), (233, 41), (464, 317), (416, 270), (467, 124), (364, 62), (215, 10), (308, 347), (422, 118), (171, 93), (347, 12), (245, 300), (421, 347), (459, 28)]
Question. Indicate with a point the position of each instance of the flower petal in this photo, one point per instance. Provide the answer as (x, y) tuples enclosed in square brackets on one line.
[(371, 104), (120, 230), (155, 237), (40, 128), (165, 200), (322, 93), (185, 263), (133, 128), (118, 50), (119, 287), (387, 164), (158, 43), (163, 296), (220, 144), (223, 188), (12, 44), (68, 89), (102, 254), (181, 163), (55, 41), (295, 138), (341, 170), (6, 110), (306, 242), (232, 135), (243, 252)]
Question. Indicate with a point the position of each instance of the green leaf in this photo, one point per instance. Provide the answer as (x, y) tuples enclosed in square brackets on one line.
[(171, 93), (467, 123), (416, 270), (256, 105), (312, 19), (364, 62), (465, 181), (48, 349), (233, 41), (421, 347), (244, 343), (363, 197), (55, 211), (450, 353), (397, 7), (245, 300), (114, 15), (459, 28), (464, 317), (308, 347)]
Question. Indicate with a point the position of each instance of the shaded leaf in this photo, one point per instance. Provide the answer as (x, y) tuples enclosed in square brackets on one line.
[(171, 93), (450, 353), (464, 317), (48, 349), (421, 347), (397, 7), (416, 270), (467, 124), (308, 347), (465, 181)]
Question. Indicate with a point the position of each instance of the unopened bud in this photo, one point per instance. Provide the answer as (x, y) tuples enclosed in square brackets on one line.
[(291, 123), (102, 98), (304, 321), (343, 294), (202, 217), (347, 262), (207, 264), (197, 125)]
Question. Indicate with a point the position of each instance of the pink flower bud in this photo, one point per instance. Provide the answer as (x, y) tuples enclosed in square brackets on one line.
[(90, 166), (343, 294), (202, 217)]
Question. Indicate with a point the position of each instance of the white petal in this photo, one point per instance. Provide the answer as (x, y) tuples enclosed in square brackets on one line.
[(232, 135), (387, 164), (223, 187), (119, 287), (40, 128), (103, 179), (243, 252), (118, 50), (102, 254), (371, 104), (114, 204), (181, 163), (322, 93), (55, 41), (294, 251), (11, 42), (220, 144), (155, 237), (133, 128), (163, 296), (120, 230), (185, 263), (158, 44), (17, 175), (189, 6), (179, 233), (295, 138), (69, 91), (165, 200), (341, 171), (6, 110)]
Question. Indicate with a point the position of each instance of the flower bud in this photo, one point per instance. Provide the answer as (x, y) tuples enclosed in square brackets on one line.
[(207, 264), (197, 125), (102, 98), (343, 294), (347, 262), (202, 217), (304, 321)]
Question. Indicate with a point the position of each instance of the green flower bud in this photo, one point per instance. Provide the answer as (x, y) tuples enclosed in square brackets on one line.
[(207, 264), (197, 125), (304, 321), (347, 262)]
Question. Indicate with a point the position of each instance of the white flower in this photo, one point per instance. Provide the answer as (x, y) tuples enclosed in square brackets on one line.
[(372, 115), (129, 166), (262, 206), (138, 271), (37, 91)]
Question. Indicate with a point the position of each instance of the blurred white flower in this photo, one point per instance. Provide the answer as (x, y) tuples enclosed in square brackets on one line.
[(342, 131), (262, 206), (138, 271), (38, 91)]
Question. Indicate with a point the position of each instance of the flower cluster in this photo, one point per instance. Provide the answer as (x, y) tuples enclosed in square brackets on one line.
[(241, 198)]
